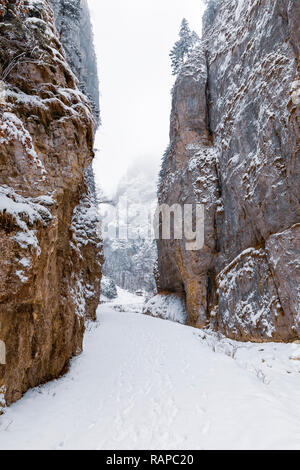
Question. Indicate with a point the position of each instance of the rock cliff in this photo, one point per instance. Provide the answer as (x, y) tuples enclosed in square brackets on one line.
[(234, 147), (73, 24), (51, 257)]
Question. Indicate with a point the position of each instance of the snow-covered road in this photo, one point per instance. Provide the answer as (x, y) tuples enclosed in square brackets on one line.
[(145, 383)]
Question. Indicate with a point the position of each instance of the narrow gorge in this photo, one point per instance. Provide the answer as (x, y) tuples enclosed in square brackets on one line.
[(84, 272)]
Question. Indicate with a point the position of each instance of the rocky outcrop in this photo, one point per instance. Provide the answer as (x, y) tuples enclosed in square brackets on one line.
[(167, 307), (234, 147), (50, 266), (73, 24)]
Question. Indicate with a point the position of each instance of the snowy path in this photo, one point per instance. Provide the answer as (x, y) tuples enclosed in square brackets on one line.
[(144, 383)]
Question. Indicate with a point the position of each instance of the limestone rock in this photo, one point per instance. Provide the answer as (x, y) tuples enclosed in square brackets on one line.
[(50, 266), (235, 123)]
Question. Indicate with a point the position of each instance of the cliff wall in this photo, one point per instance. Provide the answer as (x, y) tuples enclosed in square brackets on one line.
[(234, 147), (73, 24), (50, 267)]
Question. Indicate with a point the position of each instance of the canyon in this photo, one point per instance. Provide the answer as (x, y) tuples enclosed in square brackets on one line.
[(234, 148)]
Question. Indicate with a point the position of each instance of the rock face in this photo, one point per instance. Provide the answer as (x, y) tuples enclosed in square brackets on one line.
[(73, 23), (234, 147), (50, 268)]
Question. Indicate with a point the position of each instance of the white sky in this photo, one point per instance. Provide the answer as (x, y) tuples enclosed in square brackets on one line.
[(133, 39)]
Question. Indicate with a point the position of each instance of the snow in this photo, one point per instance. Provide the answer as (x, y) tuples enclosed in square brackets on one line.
[(25, 213), (28, 239), (12, 128), (19, 207), (21, 276), (145, 383), (253, 307), (2, 392), (125, 301), (238, 10), (83, 224), (25, 262), (168, 307), (127, 298), (22, 98), (78, 295), (85, 220), (41, 25)]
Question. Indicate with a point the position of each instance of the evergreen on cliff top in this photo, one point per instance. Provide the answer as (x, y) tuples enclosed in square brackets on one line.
[(182, 47)]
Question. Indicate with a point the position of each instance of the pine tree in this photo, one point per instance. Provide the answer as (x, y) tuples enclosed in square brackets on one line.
[(108, 288), (182, 47)]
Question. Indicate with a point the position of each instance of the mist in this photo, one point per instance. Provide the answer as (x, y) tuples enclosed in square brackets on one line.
[(133, 40)]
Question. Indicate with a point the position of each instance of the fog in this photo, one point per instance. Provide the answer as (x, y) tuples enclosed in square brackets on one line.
[(133, 39)]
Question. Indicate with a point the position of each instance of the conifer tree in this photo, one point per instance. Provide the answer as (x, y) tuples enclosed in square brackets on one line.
[(182, 47)]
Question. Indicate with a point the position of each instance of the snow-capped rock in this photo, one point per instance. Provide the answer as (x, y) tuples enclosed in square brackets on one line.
[(235, 148)]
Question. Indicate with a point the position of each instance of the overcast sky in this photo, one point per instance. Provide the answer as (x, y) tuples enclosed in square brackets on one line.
[(133, 39)]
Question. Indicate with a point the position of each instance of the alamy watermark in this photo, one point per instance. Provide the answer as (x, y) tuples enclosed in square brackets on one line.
[(188, 224), (127, 221)]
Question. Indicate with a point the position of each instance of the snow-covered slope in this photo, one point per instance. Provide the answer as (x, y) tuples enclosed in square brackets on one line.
[(168, 307), (145, 383)]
